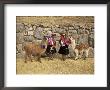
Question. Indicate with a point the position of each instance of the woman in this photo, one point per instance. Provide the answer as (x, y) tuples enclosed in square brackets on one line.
[(64, 42), (51, 43)]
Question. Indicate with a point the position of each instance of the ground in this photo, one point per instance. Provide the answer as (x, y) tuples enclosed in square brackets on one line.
[(55, 66)]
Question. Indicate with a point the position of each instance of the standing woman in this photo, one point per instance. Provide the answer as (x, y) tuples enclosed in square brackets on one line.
[(64, 43), (51, 43)]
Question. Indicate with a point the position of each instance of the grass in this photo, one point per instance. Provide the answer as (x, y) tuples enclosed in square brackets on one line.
[(55, 66)]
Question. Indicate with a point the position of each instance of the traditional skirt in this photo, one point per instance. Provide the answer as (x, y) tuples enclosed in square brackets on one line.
[(50, 50), (64, 50)]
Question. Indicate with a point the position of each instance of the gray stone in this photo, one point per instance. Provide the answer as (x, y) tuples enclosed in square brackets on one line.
[(47, 29), (72, 32), (28, 38), (85, 38), (59, 30), (91, 35), (54, 30), (57, 37), (19, 48), (20, 55), (91, 53), (38, 33), (80, 39), (30, 28), (71, 28), (19, 38), (26, 27), (19, 27), (31, 32)]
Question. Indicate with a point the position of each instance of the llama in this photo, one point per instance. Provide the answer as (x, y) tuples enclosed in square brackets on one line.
[(31, 49), (80, 50)]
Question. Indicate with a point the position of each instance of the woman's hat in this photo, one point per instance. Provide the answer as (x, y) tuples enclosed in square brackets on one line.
[(62, 34), (53, 34)]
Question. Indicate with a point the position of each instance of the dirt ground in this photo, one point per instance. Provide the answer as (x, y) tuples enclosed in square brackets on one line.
[(55, 66)]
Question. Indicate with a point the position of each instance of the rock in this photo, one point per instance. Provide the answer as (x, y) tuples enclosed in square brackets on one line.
[(80, 39), (31, 33), (19, 27), (72, 32), (19, 38), (20, 55), (47, 29), (34, 27), (60, 30), (39, 33), (19, 48), (57, 37), (85, 38), (49, 33), (91, 53), (91, 35), (71, 28), (30, 28), (28, 38), (54, 30), (26, 27)]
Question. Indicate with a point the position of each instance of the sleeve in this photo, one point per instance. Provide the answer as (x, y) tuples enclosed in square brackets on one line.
[(54, 43), (69, 41)]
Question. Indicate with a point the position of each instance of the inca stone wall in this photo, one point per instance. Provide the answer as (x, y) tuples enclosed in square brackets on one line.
[(33, 28)]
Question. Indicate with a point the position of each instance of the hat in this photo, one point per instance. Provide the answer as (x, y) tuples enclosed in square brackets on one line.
[(53, 34), (63, 34)]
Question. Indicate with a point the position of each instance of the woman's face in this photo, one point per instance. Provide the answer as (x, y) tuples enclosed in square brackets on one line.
[(64, 36)]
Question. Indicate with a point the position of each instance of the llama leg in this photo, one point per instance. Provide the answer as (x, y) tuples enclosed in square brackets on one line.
[(52, 57), (30, 58), (84, 54), (87, 53), (25, 58), (39, 58), (81, 54)]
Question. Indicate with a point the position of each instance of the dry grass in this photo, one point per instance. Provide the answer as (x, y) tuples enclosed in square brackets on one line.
[(55, 20), (55, 66)]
